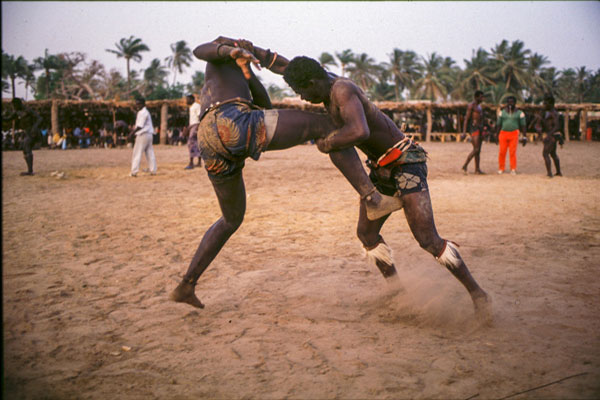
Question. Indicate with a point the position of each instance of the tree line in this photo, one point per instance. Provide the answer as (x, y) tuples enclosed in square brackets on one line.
[(506, 69)]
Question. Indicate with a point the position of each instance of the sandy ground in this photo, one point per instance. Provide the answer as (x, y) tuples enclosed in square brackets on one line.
[(293, 310)]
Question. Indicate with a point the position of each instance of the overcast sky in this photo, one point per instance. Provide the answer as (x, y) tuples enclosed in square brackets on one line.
[(566, 32)]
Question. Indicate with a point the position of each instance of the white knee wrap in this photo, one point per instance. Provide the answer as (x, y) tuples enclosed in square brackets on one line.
[(381, 252), (450, 256)]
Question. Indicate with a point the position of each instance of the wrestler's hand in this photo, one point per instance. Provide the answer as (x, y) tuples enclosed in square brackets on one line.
[(242, 59), (245, 44)]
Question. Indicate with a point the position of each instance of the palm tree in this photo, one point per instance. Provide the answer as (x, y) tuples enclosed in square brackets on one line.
[(345, 57), (13, 68), (28, 78), (129, 49), (550, 77), (46, 63), (405, 68), (431, 86), (364, 71), (510, 64), (582, 77), (181, 57), (197, 82), (449, 74), (154, 75), (477, 73), (496, 93), (326, 59), (535, 68), (566, 85)]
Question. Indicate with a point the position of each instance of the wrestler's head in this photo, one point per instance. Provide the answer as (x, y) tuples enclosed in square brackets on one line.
[(307, 78), (190, 99), (549, 101), (17, 103), (478, 96)]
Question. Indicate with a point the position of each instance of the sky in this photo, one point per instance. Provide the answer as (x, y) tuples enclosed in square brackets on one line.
[(567, 33)]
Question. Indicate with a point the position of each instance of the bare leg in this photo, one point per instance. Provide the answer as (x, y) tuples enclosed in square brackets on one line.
[(232, 200), (295, 127), (556, 160), (476, 141), (377, 250), (419, 215), (546, 154)]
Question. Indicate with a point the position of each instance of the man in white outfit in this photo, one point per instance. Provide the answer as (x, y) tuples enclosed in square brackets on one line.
[(143, 139), (191, 130)]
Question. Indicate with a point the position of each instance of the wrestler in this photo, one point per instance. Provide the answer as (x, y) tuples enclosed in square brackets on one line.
[(237, 122), (551, 136), (398, 167), (474, 120), (29, 121)]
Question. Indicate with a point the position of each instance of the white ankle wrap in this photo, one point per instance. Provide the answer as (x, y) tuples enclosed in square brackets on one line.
[(381, 252), (450, 257)]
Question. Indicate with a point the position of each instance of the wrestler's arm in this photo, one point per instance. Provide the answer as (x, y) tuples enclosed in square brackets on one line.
[(355, 128), (214, 52), (467, 117), (260, 96), (554, 127)]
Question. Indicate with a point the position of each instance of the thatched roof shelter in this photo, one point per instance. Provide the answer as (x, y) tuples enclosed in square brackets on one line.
[(175, 112)]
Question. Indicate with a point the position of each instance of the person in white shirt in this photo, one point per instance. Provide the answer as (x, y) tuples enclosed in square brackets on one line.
[(191, 131), (143, 139)]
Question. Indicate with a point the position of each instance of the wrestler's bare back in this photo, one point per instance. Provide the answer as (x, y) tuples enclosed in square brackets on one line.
[(383, 133), (223, 81)]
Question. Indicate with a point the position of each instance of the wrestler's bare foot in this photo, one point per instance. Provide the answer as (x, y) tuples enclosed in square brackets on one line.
[(483, 306), (184, 293), (379, 205), (479, 172), (464, 170), (26, 173)]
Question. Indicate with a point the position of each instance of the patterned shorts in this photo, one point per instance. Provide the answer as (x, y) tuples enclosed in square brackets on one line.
[(229, 134), (404, 179)]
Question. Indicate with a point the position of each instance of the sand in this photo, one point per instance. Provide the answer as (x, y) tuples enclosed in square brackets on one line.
[(293, 310)]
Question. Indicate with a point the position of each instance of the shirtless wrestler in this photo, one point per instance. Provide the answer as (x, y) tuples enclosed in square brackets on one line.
[(236, 123), (474, 121), (551, 136), (398, 167)]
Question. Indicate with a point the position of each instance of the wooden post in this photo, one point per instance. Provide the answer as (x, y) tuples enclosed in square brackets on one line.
[(55, 127), (584, 119), (566, 123), (428, 132), (164, 117)]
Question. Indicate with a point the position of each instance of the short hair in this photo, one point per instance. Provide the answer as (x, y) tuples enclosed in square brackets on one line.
[(301, 70), (511, 97), (549, 98), (140, 100), (191, 97), (478, 93)]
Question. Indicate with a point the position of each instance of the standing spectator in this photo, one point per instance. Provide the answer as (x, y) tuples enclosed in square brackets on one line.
[(46, 139), (77, 136), (191, 131), (27, 120), (510, 121), (143, 131), (121, 128)]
